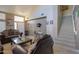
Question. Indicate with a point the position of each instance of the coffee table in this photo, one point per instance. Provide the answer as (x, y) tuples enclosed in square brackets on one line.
[(20, 41)]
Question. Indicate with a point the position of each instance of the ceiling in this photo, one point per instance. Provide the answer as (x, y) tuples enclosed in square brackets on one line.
[(24, 10)]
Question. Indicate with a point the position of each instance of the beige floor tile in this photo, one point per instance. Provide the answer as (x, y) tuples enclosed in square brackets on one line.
[(7, 48)]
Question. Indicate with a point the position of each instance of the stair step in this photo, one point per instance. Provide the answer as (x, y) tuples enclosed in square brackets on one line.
[(62, 43), (66, 49), (65, 39), (66, 36), (66, 33)]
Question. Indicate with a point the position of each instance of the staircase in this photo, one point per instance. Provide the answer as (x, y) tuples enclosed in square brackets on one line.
[(65, 40)]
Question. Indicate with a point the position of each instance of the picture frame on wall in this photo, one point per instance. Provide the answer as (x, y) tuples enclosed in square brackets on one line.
[(51, 21)]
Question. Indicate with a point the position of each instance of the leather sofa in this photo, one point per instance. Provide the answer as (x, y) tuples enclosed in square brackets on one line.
[(43, 46), (17, 49), (1, 48), (5, 35)]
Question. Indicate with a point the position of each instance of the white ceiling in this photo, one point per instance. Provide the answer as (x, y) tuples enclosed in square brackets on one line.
[(24, 10)]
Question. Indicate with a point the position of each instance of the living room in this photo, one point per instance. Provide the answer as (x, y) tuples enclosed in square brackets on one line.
[(25, 25)]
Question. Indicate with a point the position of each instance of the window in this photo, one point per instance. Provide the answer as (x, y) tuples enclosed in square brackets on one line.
[(15, 25), (18, 18), (2, 22), (19, 23), (2, 16), (2, 26)]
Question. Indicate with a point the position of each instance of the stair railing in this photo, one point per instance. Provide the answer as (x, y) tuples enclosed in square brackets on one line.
[(75, 8)]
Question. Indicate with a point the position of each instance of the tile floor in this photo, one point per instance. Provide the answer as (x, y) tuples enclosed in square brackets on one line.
[(7, 48)]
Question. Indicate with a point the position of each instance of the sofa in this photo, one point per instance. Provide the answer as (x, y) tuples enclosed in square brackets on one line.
[(17, 49), (5, 38), (43, 46), (1, 48)]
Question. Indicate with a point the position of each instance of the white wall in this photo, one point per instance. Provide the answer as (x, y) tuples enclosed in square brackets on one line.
[(51, 12), (33, 26), (69, 11), (39, 10)]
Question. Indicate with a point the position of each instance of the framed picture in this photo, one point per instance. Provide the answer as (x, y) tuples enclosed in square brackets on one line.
[(51, 21)]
